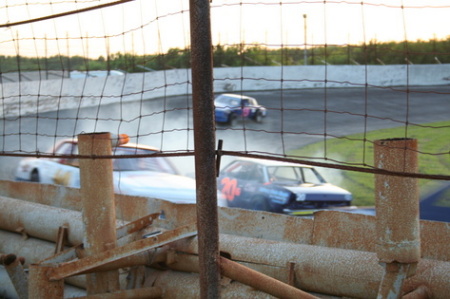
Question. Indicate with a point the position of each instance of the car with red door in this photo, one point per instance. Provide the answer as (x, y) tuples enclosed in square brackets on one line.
[(276, 186)]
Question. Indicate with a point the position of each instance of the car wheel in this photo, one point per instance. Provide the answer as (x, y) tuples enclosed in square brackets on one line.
[(232, 119), (259, 203), (258, 116), (34, 177)]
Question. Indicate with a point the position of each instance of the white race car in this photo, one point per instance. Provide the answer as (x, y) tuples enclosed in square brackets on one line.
[(152, 177)]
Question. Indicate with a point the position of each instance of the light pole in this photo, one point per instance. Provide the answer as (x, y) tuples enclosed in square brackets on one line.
[(305, 51)]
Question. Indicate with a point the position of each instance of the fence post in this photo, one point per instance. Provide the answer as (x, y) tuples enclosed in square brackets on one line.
[(13, 266), (98, 206), (39, 286), (397, 210), (204, 140)]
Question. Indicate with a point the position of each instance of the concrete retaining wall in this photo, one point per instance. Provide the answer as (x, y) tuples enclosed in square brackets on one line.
[(48, 95)]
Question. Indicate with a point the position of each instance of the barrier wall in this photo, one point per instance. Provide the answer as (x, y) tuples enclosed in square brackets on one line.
[(22, 97)]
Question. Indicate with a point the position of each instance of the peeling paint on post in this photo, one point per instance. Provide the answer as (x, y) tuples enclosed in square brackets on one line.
[(40, 286), (397, 210), (99, 216), (397, 201)]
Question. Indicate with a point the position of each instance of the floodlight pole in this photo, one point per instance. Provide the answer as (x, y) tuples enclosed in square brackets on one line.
[(305, 51), (204, 141)]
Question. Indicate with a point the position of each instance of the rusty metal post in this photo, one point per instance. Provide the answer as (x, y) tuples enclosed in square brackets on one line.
[(397, 210), (40, 286), (13, 266), (99, 216), (204, 140)]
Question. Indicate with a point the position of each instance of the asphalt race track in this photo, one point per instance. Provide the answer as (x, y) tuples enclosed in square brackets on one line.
[(304, 116)]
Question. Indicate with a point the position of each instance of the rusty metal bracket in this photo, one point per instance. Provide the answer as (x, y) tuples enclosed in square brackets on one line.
[(21, 230), (89, 264), (136, 225), (64, 255), (61, 238), (291, 273), (218, 156), (260, 281)]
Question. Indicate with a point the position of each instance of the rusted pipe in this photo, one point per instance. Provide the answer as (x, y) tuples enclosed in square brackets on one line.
[(397, 207), (204, 141), (91, 263), (397, 202), (260, 281), (40, 221), (353, 273), (99, 214), (319, 269), (184, 285), (13, 266), (35, 250), (138, 293)]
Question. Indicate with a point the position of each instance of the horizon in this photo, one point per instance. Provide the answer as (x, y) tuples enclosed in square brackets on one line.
[(160, 26)]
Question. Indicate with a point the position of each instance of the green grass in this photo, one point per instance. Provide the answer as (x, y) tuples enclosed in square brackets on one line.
[(432, 138)]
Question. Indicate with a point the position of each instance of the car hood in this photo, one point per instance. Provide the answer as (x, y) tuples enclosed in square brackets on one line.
[(174, 188), (170, 187), (322, 189)]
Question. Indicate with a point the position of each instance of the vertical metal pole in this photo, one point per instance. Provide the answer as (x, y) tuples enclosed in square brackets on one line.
[(13, 266), (305, 53), (99, 213), (397, 209), (204, 140), (40, 287)]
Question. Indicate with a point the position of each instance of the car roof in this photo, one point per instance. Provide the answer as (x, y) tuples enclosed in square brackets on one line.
[(130, 145), (139, 146), (265, 162), (232, 95)]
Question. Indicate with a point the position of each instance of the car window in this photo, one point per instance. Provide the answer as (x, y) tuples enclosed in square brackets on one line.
[(284, 173), (294, 174), (244, 171), (158, 164), (67, 149), (310, 175), (64, 149), (227, 101)]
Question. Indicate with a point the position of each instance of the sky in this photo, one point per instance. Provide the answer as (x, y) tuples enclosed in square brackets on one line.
[(154, 26)]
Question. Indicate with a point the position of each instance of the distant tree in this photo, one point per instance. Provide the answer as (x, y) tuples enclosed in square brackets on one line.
[(373, 52)]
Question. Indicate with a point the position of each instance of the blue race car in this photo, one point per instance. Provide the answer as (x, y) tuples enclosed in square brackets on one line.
[(436, 206), (278, 187), (231, 107)]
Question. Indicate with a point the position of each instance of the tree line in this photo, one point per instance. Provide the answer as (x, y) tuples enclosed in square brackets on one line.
[(371, 53)]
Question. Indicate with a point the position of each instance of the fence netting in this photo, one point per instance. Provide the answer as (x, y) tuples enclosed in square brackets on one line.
[(333, 76)]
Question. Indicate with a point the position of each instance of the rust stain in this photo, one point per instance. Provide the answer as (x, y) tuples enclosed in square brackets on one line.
[(397, 201), (260, 281), (356, 232), (334, 252)]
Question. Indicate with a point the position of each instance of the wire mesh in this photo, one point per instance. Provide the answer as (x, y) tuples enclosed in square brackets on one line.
[(326, 71)]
